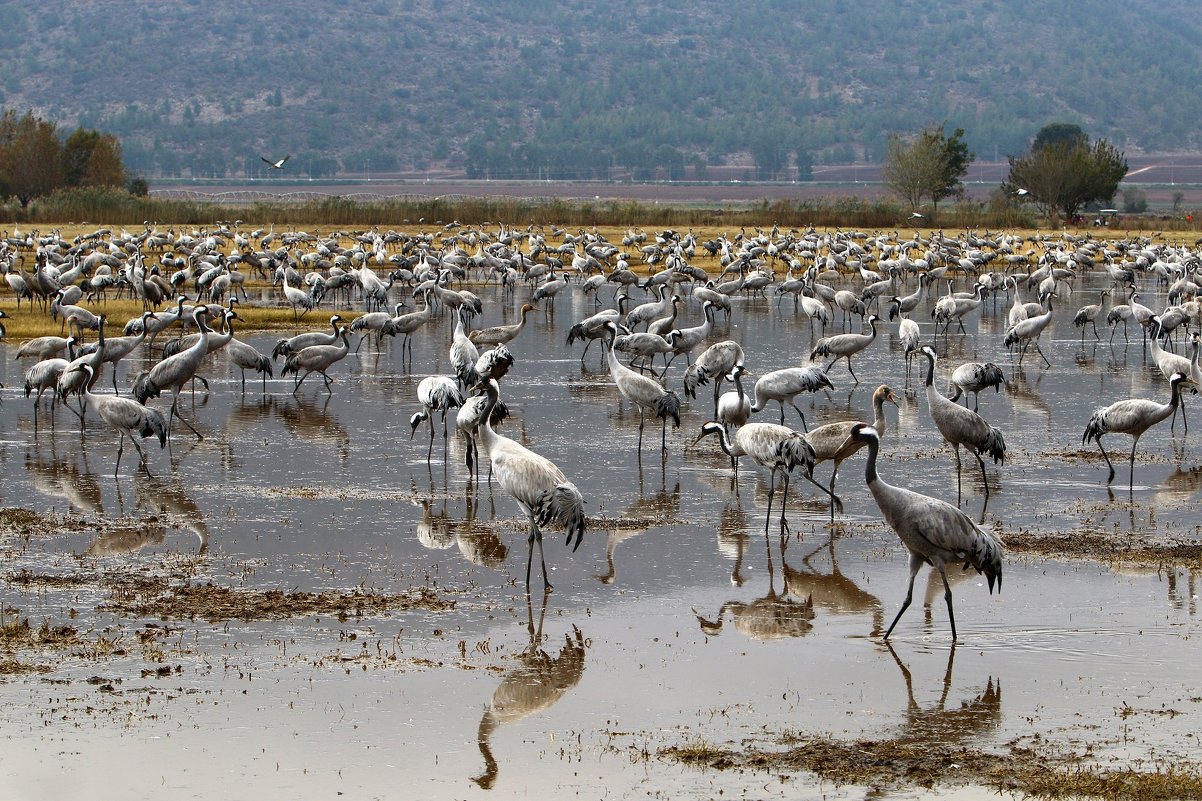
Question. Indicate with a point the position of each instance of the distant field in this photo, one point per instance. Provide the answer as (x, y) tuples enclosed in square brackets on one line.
[(1158, 177)]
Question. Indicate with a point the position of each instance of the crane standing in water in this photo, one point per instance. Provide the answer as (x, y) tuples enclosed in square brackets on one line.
[(539, 487), (933, 531)]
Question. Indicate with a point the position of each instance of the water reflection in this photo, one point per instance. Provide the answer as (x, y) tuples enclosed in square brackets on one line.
[(770, 617), (938, 726), (830, 590), (538, 682), (170, 496), (646, 511), (66, 481), (309, 419)]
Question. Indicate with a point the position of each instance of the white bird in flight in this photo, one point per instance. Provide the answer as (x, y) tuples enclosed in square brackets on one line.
[(276, 165)]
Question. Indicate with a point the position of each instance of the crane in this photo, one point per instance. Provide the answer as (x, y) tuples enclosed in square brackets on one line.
[(974, 377), (778, 448), (1088, 315), (501, 334), (127, 416), (539, 487), (319, 359), (785, 385), (734, 408), (436, 393), (1133, 416), (933, 531), (286, 347), (646, 393), (831, 441), (961, 426), (844, 346), (716, 362), (174, 372)]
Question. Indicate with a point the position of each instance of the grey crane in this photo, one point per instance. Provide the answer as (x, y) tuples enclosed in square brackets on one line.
[(960, 426), (734, 408), (974, 377), (778, 448), (539, 487), (844, 346), (1133, 416), (464, 354), (299, 299), (247, 357), (494, 363), (467, 421), (1168, 364), (126, 416), (592, 328), (317, 359), (44, 375), (374, 321), (436, 393), (909, 336), (286, 347), (831, 441), (933, 531), (785, 385), (1088, 315), (71, 382), (646, 393), (715, 362), (684, 340), (1028, 331), (501, 334), (117, 348), (174, 372), (407, 324), (46, 347)]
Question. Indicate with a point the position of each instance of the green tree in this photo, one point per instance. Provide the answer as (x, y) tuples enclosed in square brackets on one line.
[(770, 151), (1065, 175), (31, 157), (1059, 132), (927, 165)]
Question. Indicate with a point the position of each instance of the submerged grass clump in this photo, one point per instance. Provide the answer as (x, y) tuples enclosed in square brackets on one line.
[(885, 765)]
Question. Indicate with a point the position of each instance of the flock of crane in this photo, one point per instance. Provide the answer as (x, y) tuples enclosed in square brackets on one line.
[(832, 279)]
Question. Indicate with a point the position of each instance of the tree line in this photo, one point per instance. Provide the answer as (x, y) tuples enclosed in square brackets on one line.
[(1061, 172), (37, 158)]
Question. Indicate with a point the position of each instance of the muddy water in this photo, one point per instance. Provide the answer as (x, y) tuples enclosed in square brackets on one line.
[(678, 621)]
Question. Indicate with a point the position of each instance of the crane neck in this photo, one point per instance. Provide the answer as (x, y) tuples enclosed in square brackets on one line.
[(878, 414), (930, 372), (870, 475)]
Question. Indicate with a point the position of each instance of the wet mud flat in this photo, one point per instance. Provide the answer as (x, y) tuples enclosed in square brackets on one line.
[(302, 601)]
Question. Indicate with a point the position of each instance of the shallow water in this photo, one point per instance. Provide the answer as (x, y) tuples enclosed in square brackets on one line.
[(677, 621)]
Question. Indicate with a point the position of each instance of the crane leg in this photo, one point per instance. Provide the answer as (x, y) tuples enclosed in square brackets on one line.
[(1095, 330), (120, 450), (947, 596), (853, 373), (792, 403), (536, 536), (784, 502), (1131, 478), (835, 502), (956, 451), (771, 492), (175, 412), (1108, 462), (1041, 354), (782, 412), (640, 431), (984, 480), (915, 565), (831, 492)]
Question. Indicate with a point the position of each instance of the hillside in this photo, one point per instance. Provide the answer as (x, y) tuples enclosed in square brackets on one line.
[(576, 89)]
